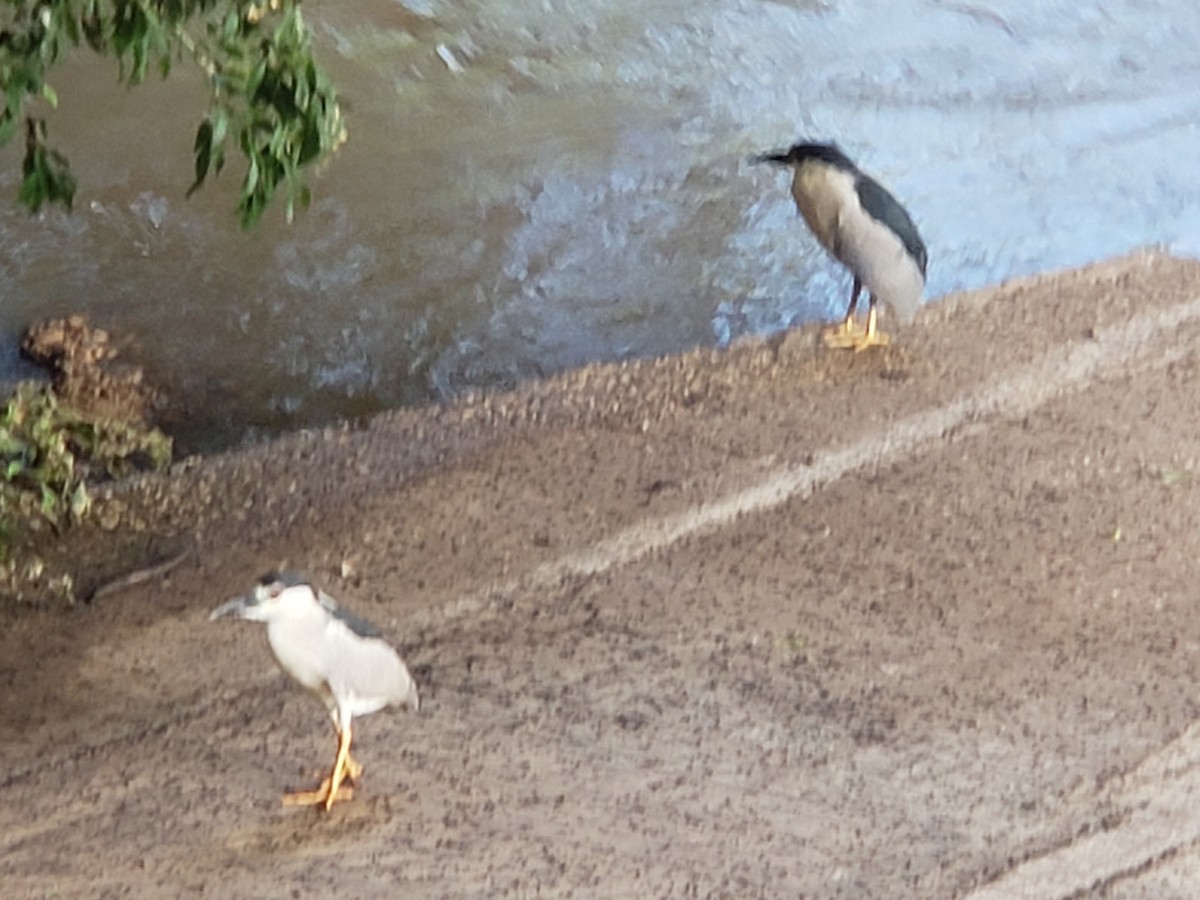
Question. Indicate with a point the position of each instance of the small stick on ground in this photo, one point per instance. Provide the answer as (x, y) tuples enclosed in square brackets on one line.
[(136, 577)]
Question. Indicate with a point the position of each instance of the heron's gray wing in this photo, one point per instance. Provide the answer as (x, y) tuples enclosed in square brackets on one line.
[(357, 624), (882, 206)]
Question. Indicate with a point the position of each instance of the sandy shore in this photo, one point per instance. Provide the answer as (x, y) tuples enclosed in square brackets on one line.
[(767, 622)]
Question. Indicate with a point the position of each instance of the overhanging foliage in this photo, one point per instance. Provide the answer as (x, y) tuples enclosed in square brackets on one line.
[(268, 95)]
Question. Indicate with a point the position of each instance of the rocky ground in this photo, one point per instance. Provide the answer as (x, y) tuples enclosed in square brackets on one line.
[(763, 623)]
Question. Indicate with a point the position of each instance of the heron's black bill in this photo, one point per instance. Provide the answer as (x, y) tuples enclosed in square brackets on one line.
[(779, 159)]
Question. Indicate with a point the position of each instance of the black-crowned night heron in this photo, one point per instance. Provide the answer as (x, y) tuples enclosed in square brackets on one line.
[(341, 658), (865, 229)]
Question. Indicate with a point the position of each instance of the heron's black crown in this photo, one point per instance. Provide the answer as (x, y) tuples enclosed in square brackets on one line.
[(286, 579), (830, 154)]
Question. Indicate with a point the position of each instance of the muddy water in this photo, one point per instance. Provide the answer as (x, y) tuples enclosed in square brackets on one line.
[(532, 185)]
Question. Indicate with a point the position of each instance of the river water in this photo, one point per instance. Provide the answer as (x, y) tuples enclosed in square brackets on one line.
[(534, 184)]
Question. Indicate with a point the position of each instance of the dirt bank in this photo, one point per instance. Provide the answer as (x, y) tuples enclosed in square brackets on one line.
[(770, 622)]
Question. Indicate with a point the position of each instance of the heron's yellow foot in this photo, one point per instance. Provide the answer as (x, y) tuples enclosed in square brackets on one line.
[(849, 336), (345, 768), (330, 790), (865, 340), (319, 797), (846, 333)]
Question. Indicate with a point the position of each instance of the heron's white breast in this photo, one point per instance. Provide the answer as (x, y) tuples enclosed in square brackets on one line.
[(821, 193), (301, 649)]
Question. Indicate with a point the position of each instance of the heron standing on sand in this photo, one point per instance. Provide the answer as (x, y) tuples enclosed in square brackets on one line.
[(865, 229), (341, 658)]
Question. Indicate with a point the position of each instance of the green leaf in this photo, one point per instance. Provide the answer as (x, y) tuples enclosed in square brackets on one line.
[(231, 26), (49, 504), (251, 183), (220, 127), (202, 147), (81, 502), (47, 175)]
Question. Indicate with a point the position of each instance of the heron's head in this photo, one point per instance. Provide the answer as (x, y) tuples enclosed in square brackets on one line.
[(277, 594), (809, 152)]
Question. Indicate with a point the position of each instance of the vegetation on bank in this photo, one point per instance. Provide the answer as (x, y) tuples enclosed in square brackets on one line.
[(269, 102), (50, 453)]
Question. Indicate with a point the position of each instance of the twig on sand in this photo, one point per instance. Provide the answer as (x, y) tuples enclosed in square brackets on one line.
[(137, 577)]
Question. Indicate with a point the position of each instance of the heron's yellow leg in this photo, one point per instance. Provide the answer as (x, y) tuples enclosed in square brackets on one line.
[(847, 333), (850, 337), (339, 767), (354, 769), (331, 789), (873, 337)]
